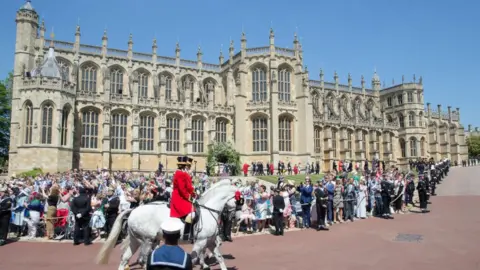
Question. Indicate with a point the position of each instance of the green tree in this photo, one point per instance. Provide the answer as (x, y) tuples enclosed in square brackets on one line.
[(5, 113), (223, 153), (473, 143)]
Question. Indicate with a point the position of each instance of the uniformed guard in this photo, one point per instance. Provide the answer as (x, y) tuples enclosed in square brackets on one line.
[(181, 202), (170, 256), (433, 182), (422, 194), (321, 197)]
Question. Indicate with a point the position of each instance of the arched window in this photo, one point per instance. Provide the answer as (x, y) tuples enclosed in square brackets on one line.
[(411, 119), (89, 129), (401, 120), (259, 85), (47, 122), (334, 142), (422, 147), (116, 81), (64, 129), (197, 135), (173, 134), (284, 85), (285, 134), (349, 140), (317, 137), (260, 134), (146, 132), (221, 130), (143, 85), (389, 119), (118, 131), (89, 79), (209, 89), (434, 134), (403, 148), (168, 87), (413, 147), (420, 119), (364, 140), (64, 69), (28, 122)]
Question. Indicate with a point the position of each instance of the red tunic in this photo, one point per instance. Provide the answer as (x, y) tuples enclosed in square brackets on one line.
[(180, 206)]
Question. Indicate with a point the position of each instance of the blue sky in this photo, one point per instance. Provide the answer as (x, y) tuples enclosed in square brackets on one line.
[(435, 39)]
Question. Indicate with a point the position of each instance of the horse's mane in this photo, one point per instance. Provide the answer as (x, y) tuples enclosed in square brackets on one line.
[(216, 185), (217, 190)]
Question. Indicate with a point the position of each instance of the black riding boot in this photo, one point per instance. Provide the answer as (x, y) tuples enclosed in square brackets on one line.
[(186, 231)]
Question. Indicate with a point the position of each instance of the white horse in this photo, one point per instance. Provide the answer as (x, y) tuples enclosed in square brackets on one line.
[(144, 227)]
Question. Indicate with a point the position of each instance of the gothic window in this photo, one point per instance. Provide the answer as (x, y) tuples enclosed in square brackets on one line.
[(317, 137), (209, 87), (64, 128), (413, 147), (401, 120), (434, 134), (119, 131), (403, 148), (221, 130), (389, 119), (116, 81), (89, 129), (146, 132), (47, 122), (334, 142), (197, 135), (389, 102), (173, 134), (168, 88), (285, 134), (28, 122), (420, 119), (284, 85), (64, 68), (260, 134), (89, 79), (400, 99), (364, 140), (411, 119), (143, 85), (422, 147), (410, 97), (377, 141), (259, 85), (349, 140)]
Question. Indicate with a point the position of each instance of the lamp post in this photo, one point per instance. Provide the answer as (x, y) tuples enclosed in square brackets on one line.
[(195, 168)]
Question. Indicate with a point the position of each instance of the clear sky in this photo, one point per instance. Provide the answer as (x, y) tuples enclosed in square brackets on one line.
[(436, 39)]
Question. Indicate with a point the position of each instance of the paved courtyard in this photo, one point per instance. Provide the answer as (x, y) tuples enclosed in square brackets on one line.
[(446, 238)]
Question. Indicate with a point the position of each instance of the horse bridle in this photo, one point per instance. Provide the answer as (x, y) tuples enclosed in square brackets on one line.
[(211, 211)]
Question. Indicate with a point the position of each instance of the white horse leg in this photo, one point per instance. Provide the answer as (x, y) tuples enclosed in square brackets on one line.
[(218, 255), (198, 253), (128, 252)]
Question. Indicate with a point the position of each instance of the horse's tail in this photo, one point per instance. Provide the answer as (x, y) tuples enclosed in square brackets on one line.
[(104, 254)]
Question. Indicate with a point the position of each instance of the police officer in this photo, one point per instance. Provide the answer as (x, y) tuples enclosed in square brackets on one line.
[(422, 194), (110, 204), (433, 182), (81, 208), (170, 256), (5, 214)]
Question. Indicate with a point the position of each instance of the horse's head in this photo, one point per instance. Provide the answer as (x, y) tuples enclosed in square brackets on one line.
[(219, 195)]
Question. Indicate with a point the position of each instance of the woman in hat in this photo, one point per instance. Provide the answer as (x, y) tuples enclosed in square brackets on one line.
[(183, 193)]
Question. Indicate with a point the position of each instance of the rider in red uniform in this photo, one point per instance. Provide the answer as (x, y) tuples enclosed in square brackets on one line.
[(183, 193)]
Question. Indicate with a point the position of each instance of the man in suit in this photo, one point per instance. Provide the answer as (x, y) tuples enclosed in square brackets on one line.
[(278, 207), (5, 214), (306, 200), (111, 204), (321, 198), (81, 208)]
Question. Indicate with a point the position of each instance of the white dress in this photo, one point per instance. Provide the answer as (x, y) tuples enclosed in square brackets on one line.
[(362, 202)]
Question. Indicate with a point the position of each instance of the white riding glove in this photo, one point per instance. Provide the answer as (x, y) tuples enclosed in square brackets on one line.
[(79, 215)]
